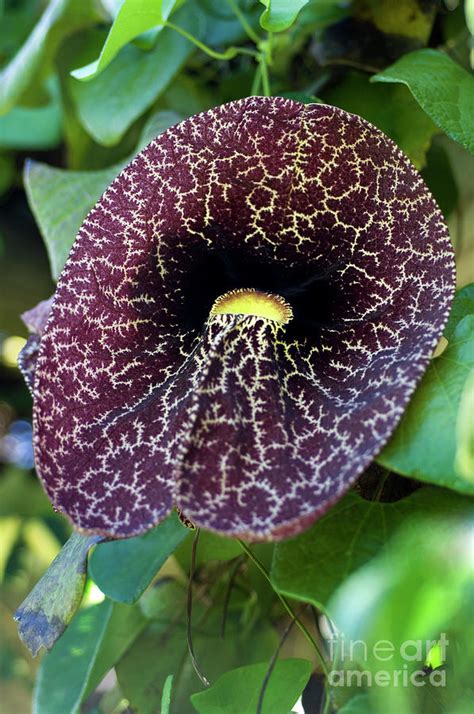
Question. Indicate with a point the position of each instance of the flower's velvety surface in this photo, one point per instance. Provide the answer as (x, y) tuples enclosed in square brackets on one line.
[(250, 427)]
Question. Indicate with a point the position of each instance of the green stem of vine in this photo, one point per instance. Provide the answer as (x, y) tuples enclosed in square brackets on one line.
[(257, 81), (243, 21), (230, 52), (258, 564), (265, 77)]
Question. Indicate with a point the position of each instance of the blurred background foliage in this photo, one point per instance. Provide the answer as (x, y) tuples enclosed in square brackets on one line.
[(389, 561)]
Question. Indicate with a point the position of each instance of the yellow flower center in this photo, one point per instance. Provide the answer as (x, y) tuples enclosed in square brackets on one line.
[(248, 301)]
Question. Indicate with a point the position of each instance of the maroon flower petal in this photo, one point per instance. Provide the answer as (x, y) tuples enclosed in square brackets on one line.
[(251, 428)]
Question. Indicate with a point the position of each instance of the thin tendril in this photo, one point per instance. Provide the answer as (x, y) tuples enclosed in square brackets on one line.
[(243, 21), (287, 607), (230, 585), (189, 611), (271, 666), (230, 52)]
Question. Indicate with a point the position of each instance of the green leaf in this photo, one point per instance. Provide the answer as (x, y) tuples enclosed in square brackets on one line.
[(142, 675), (133, 18), (211, 547), (463, 305), (408, 18), (419, 591), (123, 569), (424, 443), (22, 495), (45, 613), (443, 89), (61, 199), (311, 566), (280, 14), (64, 673), (59, 18), (359, 704), (125, 624), (301, 97), (391, 108), (465, 432), (15, 77), (166, 698), (33, 128), (132, 82), (438, 176), (237, 692)]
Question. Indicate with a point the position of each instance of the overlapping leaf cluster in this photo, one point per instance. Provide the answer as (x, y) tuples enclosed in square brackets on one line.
[(89, 84)]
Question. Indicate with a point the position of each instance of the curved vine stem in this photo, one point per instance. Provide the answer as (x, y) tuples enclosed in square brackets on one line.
[(189, 611), (287, 607), (271, 666), (230, 52), (250, 32)]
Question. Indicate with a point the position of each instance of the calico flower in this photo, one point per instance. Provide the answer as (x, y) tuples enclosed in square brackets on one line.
[(240, 324)]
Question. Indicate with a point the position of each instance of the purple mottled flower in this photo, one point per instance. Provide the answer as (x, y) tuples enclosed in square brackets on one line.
[(240, 324)]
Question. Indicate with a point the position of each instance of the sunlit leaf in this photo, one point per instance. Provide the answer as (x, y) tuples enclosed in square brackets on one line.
[(443, 89), (375, 33), (280, 14), (237, 692), (48, 609), (133, 18), (397, 609)]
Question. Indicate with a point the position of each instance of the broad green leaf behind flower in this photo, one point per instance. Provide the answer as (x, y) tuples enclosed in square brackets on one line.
[(60, 199), (444, 90), (353, 532), (424, 444)]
